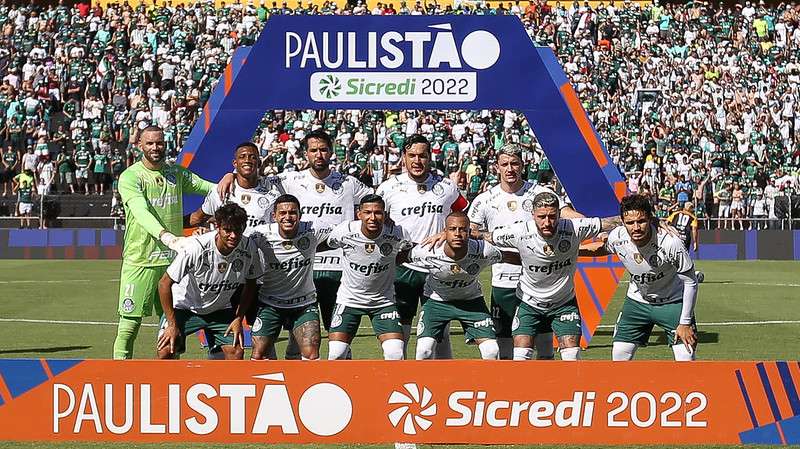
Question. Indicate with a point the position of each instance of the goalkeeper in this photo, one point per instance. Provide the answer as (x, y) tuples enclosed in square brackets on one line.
[(152, 193)]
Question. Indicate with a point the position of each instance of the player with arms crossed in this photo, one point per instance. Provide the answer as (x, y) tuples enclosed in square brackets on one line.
[(663, 288), (418, 202), (286, 294), (685, 222), (510, 202), (196, 290), (152, 195), (370, 247), (453, 290)]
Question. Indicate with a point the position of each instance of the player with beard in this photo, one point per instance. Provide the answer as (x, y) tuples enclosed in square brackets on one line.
[(152, 195), (508, 203), (419, 202)]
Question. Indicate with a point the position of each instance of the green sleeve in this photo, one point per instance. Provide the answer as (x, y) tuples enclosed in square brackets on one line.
[(133, 197), (195, 184)]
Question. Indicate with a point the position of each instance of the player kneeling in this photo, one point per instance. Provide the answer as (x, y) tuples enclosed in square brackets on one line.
[(370, 249), (453, 291), (286, 295), (663, 287), (196, 290)]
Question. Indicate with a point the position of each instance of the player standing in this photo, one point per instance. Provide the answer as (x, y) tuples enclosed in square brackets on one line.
[(196, 290), (152, 194), (418, 202), (510, 202), (370, 248), (685, 222)]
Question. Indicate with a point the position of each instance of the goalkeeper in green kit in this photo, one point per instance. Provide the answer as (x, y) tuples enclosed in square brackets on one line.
[(151, 192)]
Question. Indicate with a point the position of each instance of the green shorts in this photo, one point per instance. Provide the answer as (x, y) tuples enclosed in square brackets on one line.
[(635, 321), (504, 306), (270, 320), (214, 324), (385, 320), (138, 290), (472, 314), (408, 288), (562, 320), (327, 284)]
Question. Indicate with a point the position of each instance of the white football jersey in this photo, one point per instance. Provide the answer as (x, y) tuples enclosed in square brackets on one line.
[(420, 209), (288, 264), (205, 279), (257, 202), (653, 267), (368, 266), (455, 280), (548, 265), (496, 209), (326, 203)]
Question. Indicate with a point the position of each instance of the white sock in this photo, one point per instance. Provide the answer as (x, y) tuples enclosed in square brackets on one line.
[(444, 350), (523, 353), (570, 354), (337, 350), (544, 346), (406, 338), (270, 353), (425, 348), (292, 348), (682, 354), (489, 350), (392, 349), (622, 351), (506, 346), (303, 358)]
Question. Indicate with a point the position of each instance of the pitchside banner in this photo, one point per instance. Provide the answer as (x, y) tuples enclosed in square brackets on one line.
[(416, 62), (384, 401)]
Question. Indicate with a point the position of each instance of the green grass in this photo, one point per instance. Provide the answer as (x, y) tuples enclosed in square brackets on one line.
[(87, 291)]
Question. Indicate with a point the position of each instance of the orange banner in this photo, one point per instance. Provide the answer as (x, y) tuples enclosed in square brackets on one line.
[(378, 401)]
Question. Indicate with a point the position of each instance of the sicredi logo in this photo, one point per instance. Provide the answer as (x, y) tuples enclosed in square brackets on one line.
[(403, 413), (363, 76)]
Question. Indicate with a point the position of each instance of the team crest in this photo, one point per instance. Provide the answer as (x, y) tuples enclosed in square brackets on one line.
[(386, 249), (287, 245), (473, 269), (222, 266), (515, 323), (320, 187), (246, 199), (548, 250), (237, 265), (638, 258), (655, 261), (127, 305), (455, 269), (257, 325), (422, 188), (369, 248), (438, 190), (512, 205), (263, 202), (337, 188), (564, 246), (527, 205), (159, 181), (336, 321), (303, 243)]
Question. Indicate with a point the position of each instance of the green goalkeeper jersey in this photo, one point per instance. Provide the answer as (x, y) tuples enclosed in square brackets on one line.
[(153, 201)]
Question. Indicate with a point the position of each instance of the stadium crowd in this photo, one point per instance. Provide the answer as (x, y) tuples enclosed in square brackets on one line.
[(695, 102)]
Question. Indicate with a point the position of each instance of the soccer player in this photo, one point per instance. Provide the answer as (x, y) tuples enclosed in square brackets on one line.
[(418, 202), (370, 248), (685, 222), (663, 288), (23, 187), (453, 290), (196, 290), (286, 294), (510, 202), (152, 194), (327, 198)]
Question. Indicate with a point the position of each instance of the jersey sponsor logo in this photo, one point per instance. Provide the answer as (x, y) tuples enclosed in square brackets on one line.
[(164, 201), (128, 305), (508, 276), (294, 263), (438, 190), (156, 255), (473, 269), (170, 177), (572, 316), (237, 265), (638, 258), (222, 266), (215, 287), (647, 278), (366, 270), (253, 221), (564, 245), (458, 283), (548, 250), (303, 243), (322, 209), (369, 248), (512, 205), (386, 249), (327, 260), (488, 322), (425, 208), (527, 205), (393, 315), (551, 267), (655, 260)]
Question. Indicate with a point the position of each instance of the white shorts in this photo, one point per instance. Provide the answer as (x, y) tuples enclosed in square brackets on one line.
[(25, 208), (43, 189), (724, 211), (82, 173), (737, 205)]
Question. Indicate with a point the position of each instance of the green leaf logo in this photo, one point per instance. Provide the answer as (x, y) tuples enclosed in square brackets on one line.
[(329, 86)]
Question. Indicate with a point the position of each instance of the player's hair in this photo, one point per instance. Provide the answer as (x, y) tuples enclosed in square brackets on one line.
[(546, 199), (246, 144), (415, 139), (636, 202), (510, 149), (150, 129), (374, 199), (316, 134), (231, 215), (457, 214), (286, 198)]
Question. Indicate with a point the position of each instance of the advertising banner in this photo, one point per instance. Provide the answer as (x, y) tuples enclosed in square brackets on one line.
[(382, 401)]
